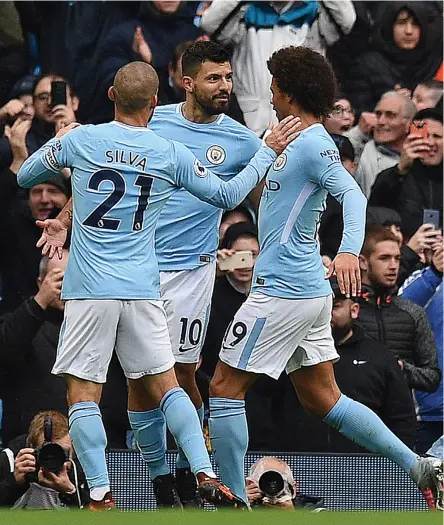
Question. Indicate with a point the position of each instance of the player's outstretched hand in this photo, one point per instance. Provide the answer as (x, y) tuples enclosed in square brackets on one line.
[(348, 274), (53, 237), (283, 133), (65, 129)]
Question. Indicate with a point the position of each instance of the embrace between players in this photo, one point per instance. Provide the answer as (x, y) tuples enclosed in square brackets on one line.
[(148, 190)]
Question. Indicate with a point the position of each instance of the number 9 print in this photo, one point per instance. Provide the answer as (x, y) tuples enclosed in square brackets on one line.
[(237, 330)]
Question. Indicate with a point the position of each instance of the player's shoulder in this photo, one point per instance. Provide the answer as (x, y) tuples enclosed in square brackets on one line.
[(228, 123), (314, 143), (167, 111)]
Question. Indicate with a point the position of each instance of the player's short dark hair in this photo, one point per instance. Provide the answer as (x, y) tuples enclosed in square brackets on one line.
[(201, 52), (178, 52), (307, 77), (374, 235)]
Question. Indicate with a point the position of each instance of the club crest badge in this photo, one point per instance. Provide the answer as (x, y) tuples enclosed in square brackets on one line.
[(216, 155), (280, 162)]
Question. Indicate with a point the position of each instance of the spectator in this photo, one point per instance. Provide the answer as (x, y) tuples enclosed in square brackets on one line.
[(19, 256), (415, 182), (394, 113), (425, 288), (46, 122), (406, 49), (23, 486), (230, 217), (28, 345), (151, 37), (412, 252), (395, 322), (21, 104), (427, 94), (341, 118), (256, 29), (230, 291), (281, 475)]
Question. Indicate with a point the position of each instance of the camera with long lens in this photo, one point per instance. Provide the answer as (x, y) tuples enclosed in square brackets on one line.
[(50, 456), (272, 484)]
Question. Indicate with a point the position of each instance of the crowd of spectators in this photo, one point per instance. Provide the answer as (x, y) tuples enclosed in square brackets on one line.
[(387, 123)]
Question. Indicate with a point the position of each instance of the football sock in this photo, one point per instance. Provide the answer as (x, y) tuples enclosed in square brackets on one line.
[(365, 428), (182, 461), (183, 423), (150, 432), (89, 441), (229, 441)]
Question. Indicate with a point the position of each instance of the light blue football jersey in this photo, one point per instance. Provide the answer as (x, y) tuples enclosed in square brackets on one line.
[(121, 177), (187, 232), (289, 264)]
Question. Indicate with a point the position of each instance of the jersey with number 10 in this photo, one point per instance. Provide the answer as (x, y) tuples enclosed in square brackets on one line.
[(121, 177), (188, 229)]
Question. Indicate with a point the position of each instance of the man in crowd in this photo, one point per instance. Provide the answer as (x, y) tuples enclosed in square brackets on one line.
[(394, 113), (101, 232), (29, 337), (19, 256), (415, 183), (425, 288), (395, 322), (19, 468), (45, 124)]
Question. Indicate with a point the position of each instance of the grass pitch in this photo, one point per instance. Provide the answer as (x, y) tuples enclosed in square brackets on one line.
[(258, 517)]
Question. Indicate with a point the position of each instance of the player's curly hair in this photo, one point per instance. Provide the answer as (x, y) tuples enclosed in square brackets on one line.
[(307, 77)]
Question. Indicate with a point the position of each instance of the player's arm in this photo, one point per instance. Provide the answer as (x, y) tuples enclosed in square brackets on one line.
[(51, 158), (206, 186), (341, 185)]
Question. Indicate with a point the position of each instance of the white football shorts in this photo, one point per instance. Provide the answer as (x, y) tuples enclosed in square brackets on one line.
[(92, 329), (270, 334), (187, 300)]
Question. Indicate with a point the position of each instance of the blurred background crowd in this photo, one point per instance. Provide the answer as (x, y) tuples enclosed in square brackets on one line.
[(387, 124)]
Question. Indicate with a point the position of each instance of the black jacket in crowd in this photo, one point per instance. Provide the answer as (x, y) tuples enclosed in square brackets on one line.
[(402, 326), (410, 194), (19, 256), (28, 345), (366, 372), (384, 64), (11, 491)]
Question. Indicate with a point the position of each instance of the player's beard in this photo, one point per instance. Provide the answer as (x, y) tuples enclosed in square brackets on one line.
[(211, 105)]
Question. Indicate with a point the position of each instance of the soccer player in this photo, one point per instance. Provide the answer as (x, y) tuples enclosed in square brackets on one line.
[(285, 321), (122, 173), (187, 239)]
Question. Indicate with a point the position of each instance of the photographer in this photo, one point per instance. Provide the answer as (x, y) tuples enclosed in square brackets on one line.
[(38, 470), (270, 483)]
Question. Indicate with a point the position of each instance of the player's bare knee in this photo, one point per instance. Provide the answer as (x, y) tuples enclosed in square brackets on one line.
[(186, 375), (229, 382)]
